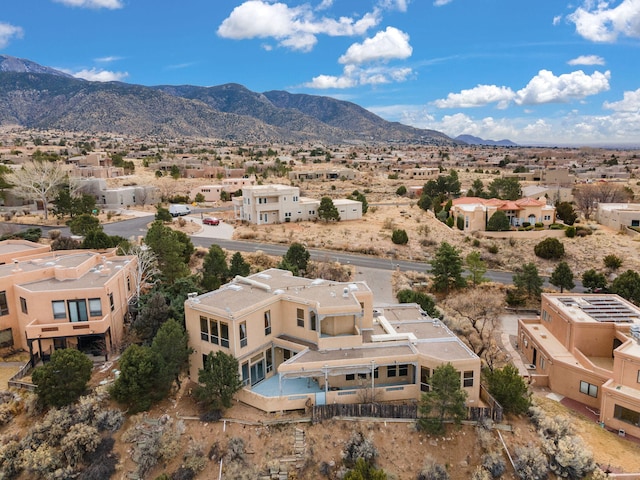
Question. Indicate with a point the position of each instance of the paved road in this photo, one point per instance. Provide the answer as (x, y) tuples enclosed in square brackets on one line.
[(138, 227)]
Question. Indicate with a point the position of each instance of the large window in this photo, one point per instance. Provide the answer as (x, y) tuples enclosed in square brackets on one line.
[(313, 321), (467, 379), (224, 335), (425, 379), (589, 389), (59, 311), (77, 310), (204, 329), (300, 317), (267, 322), (242, 330), (392, 371), (95, 307), (403, 370), (4, 306), (626, 415), (213, 330)]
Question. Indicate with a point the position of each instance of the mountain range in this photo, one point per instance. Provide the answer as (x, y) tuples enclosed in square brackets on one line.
[(38, 97), (471, 140)]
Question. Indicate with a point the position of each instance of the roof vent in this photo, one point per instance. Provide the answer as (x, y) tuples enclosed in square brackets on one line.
[(192, 295), (345, 292)]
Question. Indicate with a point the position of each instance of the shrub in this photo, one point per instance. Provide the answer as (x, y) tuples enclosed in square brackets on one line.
[(102, 462), (549, 248), (235, 450), (80, 440), (450, 221), (556, 226), (475, 242), (526, 224), (480, 474), (531, 463), (432, 471), (499, 222), (358, 447), (493, 248), (494, 463), (612, 262), (399, 237), (570, 232), (569, 458), (460, 222)]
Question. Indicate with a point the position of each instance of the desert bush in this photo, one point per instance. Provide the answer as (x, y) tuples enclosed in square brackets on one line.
[(494, 463), (101, 462), (109, 420), (399, 236), (181, 222), (612, 262), (388, 224), (358, 447), (432, 470), (486, 438), (54, 234), (493, 248), (42, 461), (194, 458), (169, 444), (10, 458), (80, 440), (480, 474), (235, 450), (570, 232), (65, 243), (183, 473), (6, 413), (569, 457), (475, 242), (211, 416), (554, 427), (549, 248), (215, 452), (148, 452), (240, 471), (531, 463)]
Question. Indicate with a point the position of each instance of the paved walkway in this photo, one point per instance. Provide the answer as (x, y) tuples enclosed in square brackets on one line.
[(516, 359)]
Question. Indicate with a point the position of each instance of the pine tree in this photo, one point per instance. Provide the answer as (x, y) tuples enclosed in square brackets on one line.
[(562, 277), (446, 268)]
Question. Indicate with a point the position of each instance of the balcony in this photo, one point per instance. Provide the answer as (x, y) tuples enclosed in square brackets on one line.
[(41, 328)]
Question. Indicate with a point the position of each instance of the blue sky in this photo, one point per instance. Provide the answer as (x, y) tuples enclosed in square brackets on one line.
[(546, 71)]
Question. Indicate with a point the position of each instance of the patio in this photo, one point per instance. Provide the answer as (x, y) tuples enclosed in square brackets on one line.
[(290, 386)]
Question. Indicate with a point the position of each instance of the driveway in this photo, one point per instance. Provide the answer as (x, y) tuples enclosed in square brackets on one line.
[(223, 230)]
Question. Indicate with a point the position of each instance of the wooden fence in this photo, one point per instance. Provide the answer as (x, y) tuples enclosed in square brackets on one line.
[(375, 410), (495, 409), (23, 372)]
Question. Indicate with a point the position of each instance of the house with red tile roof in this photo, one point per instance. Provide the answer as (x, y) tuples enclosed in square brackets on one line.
[(476, 211)]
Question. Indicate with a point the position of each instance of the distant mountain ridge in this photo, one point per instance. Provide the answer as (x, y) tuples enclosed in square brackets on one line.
[(44, 98), (471, 140)]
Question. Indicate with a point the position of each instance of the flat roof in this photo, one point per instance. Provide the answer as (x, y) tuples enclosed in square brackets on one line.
[(595, 307)]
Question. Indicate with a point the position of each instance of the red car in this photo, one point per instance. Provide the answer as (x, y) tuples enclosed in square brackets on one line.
[(211, 221)]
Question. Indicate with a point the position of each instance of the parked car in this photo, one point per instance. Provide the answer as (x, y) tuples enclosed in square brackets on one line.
[(179, 210), (211, 221)]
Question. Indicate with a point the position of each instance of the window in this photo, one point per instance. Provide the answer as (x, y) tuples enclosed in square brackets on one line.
[(59, 311), (95, 307), (362, 376), (77, 310), (23, 305), (626, 415), (392, 371), (313, 323), (375, 372), (638, 376), (111, 304), (403, 370), (224, 335), (425, 378), (286, 354), (635, 223), (128, 284), (589, 389), (4, 306), (269, 360), (350, 376), (213, 331), (545, 316), (267, 322), (242, 330), (467, 379), (204, 329), (300, 317)]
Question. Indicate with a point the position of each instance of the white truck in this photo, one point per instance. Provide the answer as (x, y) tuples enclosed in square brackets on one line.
[(179, 210)]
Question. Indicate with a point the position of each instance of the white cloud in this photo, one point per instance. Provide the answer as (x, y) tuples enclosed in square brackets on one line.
[(325, 4), (587, 60), (599, 22), (556, 20), (353, 76), (7, 32), (110, 4), (477, 97), (545, 87), (400, 5), (386, 45), (95, 75), (293, 27), (630, 103), (439, 3), (107, 59)]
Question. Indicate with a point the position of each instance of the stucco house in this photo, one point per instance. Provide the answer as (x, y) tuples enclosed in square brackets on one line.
[(587, 347), (476, 211), (302, 342), (618, 215), (63, 299)]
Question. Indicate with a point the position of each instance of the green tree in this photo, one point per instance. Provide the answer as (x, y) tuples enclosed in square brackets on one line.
[(178, 292), (153, 314), (476, 267), (70, 205), (562, 277), (327, 211), (363, 470), (509, 389), (446, 185), (498, 222), (399, 236), (426, 301), (219, 381), (199, 198), (175, 172), (296, 259), (83, 224), (98, 240), (239, 266), (446, 268), (528, 280), (401, 191), (62, 380), (356, 195), (505, 188), (425, 202), (566, 213), (162, 214), (594, 281), (171, 345), (169, 250), (445, 399), (140, 383), (215, 270), (549, 248), (612, 262), (477, 189), (627, 285)]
